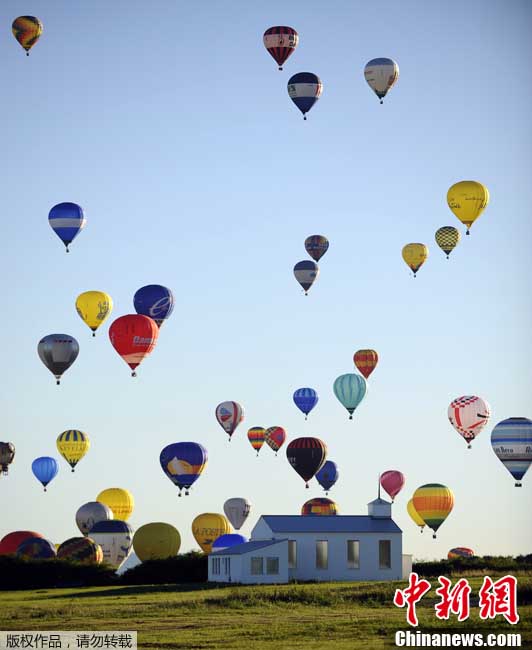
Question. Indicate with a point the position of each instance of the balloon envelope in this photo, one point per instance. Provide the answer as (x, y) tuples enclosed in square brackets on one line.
[(229, 416), (73, 445), (45, 469), (133, 336), (237, 511), (92, 513), (365, 361), (327, 475), (415, 255), (116, 538), (154, 301), (80, 549), (306, 273), (156, 541), (67, 221), (460, 551), (7, 455), (207, 527), (306, 455), (27, 30), (305, 399), (447, 238), (381, 74), (58, 352), (93, 308), (469, 414), (467, 200), (319, 506), (511, 441), (275, 437), (10, 542), (280, 41), (183, 463), (119, 500), (350, 389), (304, 89), (316, 246), (392, 482), (36, 548), (433, 503), (256, 437), (414, 514), (228, 540)]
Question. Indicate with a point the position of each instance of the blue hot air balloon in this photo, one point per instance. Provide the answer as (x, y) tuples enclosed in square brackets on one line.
[(350, 390), (154, 301), (327, 475), (45, 468), (183, 463), (511, 440), (226, 541), (305, 399), (304, 89), (67, 220)]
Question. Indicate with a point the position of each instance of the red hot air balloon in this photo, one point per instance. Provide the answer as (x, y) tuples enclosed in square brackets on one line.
[(366, 361), (280, 42), (306, 455), (10, 542), (274, 438), (133, 336), (392, 482)]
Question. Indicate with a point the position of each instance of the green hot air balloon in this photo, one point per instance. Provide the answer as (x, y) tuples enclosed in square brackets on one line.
[(350, 390)]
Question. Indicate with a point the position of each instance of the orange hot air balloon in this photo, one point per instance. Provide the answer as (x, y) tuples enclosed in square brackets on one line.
[(256, 437), (433, 502), (366, 361), (133, 336), (27, 29)]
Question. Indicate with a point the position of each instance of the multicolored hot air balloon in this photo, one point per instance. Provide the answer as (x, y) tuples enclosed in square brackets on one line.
[(237, 511), (7, 454), (67, 221), (45, 469), (304, 89), (10, 542), (133, 336), (256, 437), (80, 549), (183, 463), (275, 437), (319, 506), (156, 541), (392, 482), (307, 456), (229, 416), (27, 30), (447, 238), (228, 540), (207, 527), (154, 301), (365, 361), (511, 441), (433, 502), (305, 399), (328, 475), (73, 445), (350, 389), (58, 352), (36, 548), (116, 539), (467, 200), (381, 74), (280, 42), (460, 551), (91, 513), (316, 246), (119, 500), (469, 415), (93, 308), (414, 515), (415, 255), (306, 273)]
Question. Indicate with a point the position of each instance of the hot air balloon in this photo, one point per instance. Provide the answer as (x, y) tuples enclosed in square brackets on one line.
[(58, 352), (27, 29), (116, 538), (7, 454), (73, 445), (304, 89), (226, 541), (275, 437), (306, 273), (229, 416), (414, 515), (36, 548), (467, 200), (511, 441), (183, 463), (319, 506), (237, 511), (156, 541), (93, 308), (447, 238), (350, 390), (415, 255), (207, 527), (366, 361), (433, 503), (67, 221), (92, 513), (305, 399), (154, 301), (460, 551), (45, 469), (307, 456), (10, 542), (256, 437), (381, 74), (133, 336), (468, 415), (316, 246), (119, 500), (392, 482), (280, 42), (328, 475), (80, 549)]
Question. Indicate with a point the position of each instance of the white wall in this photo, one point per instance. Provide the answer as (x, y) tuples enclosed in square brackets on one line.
[(407, 566), (241, 566)]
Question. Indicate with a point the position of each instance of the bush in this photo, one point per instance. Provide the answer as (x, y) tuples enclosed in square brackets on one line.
[(188, 567), (467, 565)]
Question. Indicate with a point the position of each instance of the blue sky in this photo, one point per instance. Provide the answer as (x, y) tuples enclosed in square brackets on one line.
[(171, 126)]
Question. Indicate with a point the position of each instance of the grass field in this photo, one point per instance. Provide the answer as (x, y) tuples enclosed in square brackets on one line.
[(311, 616)]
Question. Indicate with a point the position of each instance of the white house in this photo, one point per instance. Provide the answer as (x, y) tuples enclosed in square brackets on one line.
[(316, 547)]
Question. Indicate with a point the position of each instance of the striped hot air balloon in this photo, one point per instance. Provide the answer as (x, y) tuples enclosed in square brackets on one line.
[(73, 445), (304, 89), (365, 361), (305, 399), (511, 441), (307, 456), (80, 549), (280, 41), (433, 502), (319, 506), (67, 221), (350, 389), (460, 551), (256, 437)]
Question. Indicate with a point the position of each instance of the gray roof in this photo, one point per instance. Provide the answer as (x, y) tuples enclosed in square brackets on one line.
[(330, 524), (247, 547)]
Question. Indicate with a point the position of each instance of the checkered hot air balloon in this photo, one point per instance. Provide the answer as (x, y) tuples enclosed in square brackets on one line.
[(447, 238), (469, 414)]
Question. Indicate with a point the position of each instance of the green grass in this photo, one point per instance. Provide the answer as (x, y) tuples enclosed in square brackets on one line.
[(312, 616)]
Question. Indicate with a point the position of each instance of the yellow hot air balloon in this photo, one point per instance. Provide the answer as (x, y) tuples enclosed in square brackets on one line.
[(467, 199), (93, 308), (27, 29), (433, 503), (73, 445), (447, 238), (414, 255), (120, 501), (156, 541), (207, 527), (414, 515)]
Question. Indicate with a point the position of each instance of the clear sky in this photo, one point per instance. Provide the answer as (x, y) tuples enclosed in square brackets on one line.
[(170, 124)]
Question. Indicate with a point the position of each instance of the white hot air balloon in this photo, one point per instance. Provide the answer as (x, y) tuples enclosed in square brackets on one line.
[(237, 511), (381, 74), (116, 539), (469, 414), (92, 513)]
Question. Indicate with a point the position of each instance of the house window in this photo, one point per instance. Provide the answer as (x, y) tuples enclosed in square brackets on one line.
[(353, 554), (257, 566), (272, 566), (227, 565), (292, 554), (385, 554), (322, 559), (215, 565)]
